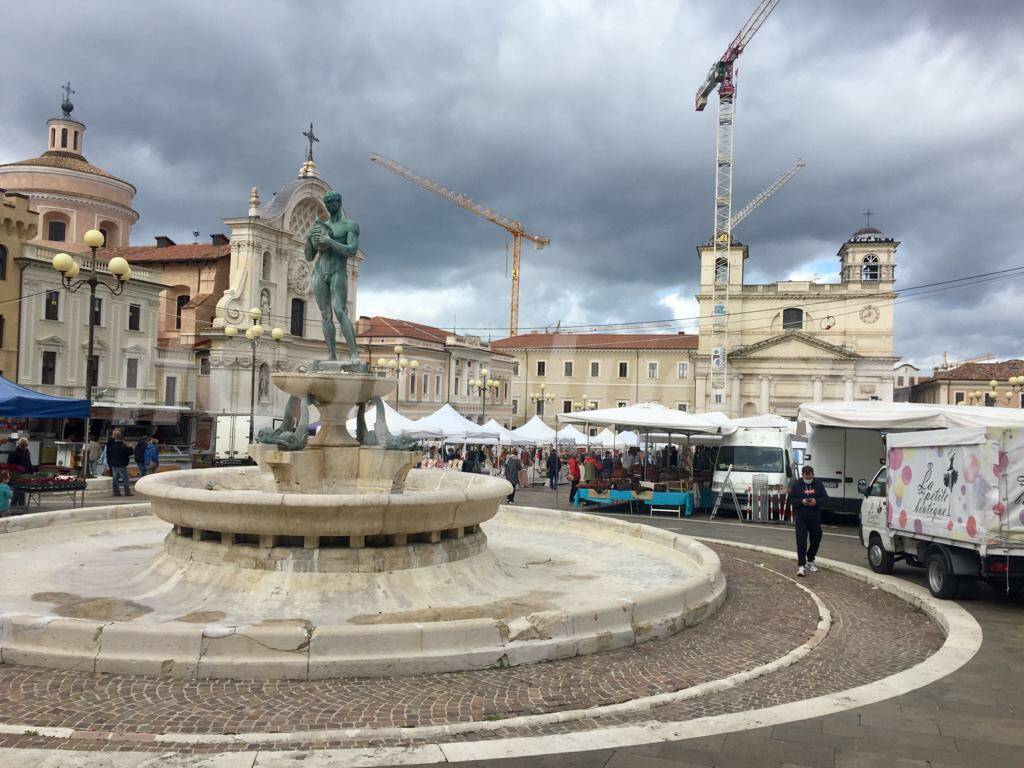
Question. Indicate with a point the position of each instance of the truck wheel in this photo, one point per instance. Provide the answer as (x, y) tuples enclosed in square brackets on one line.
[(941, 581), (879, 559)]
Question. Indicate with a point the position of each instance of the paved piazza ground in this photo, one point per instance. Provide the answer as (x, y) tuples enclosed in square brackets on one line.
[(774, 642)]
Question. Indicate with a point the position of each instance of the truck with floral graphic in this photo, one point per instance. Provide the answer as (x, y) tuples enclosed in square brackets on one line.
[(950, 501)]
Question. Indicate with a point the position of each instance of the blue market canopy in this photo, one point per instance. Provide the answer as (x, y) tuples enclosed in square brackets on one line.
[(21, 402)]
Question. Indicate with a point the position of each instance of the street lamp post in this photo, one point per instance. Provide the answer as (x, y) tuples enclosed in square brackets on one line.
[(542, 396), (69, 270), (398, 365), (482, 386), (253, 334)]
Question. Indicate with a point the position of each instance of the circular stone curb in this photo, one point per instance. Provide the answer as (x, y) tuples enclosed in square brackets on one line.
[(963, 640), (309, 652)]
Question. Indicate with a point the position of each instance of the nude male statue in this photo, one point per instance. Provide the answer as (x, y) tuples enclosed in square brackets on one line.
[(332, 243)]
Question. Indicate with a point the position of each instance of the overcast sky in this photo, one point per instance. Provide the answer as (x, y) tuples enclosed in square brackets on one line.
[(576, 118)]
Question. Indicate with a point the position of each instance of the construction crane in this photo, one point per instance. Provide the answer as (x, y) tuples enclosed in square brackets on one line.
[(511, 226), (721, 77), (758, 200)]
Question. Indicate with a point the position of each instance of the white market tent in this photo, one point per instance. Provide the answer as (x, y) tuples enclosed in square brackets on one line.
[(569, 434), (873, 414), (499, 435), (648, 417), (535, 431), (397, 424), (453, 426), (608, 439)]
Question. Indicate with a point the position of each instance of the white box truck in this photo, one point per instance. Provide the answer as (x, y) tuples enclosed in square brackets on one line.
[(840, 456), (952, 501), (752, 457)]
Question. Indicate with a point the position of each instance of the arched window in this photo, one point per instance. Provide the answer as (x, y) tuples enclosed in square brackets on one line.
[(53, 138), (64, 138), (75, 147), (298, 320), (266, 265), (263, 379), (792, 319), (56, 227), (109, 230), (3, 263), (721, 270), (179, 304), (870, 268)]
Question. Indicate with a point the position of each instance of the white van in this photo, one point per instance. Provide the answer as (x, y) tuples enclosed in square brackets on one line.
[(752, 452), (840, 457)]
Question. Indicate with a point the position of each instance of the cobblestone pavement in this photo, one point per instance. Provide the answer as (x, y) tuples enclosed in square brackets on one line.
[(764, 617)]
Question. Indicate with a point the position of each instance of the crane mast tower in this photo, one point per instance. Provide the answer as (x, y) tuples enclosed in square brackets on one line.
[(721, 77)]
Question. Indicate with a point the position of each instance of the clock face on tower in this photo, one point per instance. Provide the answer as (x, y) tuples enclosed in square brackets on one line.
[(869, 314)]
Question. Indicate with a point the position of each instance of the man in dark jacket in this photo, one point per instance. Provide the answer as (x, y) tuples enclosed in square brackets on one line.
[(22, 458), (513, 466), (807, 494), (554, 466), (118, 457)]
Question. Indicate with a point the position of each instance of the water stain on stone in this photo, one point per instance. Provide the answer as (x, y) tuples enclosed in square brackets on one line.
[(131, 547), (499, 609), (576, 577), (74, 606), (284, 623), (201, 617)]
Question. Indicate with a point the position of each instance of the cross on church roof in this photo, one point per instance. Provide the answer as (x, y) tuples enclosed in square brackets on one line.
[(868, 214), (311, 137), (66, 106)]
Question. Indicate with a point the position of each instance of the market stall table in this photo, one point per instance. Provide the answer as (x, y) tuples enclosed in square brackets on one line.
[(35, 490)]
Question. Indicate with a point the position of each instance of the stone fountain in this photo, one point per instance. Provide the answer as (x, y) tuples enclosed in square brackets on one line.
[(334, 556)]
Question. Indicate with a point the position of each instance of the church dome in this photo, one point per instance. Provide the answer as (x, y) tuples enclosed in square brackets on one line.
[(869, 235)]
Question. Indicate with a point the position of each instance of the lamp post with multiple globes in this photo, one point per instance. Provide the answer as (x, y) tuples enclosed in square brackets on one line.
[(979, 397), (542, 397), (253, 334), (483, 386), (69, 270), (397, 366)]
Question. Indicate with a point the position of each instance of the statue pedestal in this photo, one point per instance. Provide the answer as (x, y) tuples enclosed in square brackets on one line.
[(335, 395)]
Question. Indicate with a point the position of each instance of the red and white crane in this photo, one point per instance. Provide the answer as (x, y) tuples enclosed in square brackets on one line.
[(722, 78)]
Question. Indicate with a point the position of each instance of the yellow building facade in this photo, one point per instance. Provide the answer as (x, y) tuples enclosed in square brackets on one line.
[(796, 341), (18, 223)]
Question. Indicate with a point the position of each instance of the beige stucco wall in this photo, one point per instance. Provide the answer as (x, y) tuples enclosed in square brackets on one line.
[(18, 223)]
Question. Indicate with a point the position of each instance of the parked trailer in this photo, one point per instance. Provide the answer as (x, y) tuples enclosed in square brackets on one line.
[(951, 501)]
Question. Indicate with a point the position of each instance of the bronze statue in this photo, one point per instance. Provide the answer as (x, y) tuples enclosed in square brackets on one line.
[(332, 243)]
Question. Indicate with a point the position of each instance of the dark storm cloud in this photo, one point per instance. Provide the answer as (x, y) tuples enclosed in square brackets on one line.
[(576, 118)]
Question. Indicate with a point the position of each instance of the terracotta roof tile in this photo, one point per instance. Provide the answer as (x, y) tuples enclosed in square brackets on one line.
[(1000, 371), (67, 160), (598, 341), (152, 254), (389, 327)]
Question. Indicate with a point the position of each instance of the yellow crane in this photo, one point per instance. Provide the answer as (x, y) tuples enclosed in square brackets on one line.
[(511, 226)]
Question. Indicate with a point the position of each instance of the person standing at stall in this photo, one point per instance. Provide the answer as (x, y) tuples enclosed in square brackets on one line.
[(574, 477), (21, 457), (512, 469), (118, 457), (554, 466)]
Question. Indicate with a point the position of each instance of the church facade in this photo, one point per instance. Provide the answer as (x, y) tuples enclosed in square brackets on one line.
[(796, 341), (267, 270)]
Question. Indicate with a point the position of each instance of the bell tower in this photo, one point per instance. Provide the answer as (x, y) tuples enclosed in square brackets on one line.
[(868, 259), (65, 133)]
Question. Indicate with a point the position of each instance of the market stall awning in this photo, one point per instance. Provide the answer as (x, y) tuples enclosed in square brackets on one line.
[(398, 425), (873, 414), (21, 402), (767, 421), (535, 431), (453, 425), (608, 439), (645, 417), (569, 434)]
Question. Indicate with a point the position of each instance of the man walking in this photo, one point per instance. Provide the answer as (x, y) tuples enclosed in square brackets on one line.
[(574, 477), (512, 469), (118, 457), (554, 466), (807, 494)]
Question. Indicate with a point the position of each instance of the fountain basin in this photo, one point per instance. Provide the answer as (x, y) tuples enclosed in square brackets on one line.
[(335, 394), (225, 515)]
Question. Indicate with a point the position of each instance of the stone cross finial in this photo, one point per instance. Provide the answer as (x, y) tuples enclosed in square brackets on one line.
[(311, 137), (867, 215)]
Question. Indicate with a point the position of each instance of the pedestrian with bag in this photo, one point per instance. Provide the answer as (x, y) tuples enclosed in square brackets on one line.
[(140, 454), (152, 457), (21, 457), (807, 494), (118, 457)]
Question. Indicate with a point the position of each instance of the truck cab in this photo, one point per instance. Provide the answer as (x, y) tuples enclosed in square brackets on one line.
[(749, 453)]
